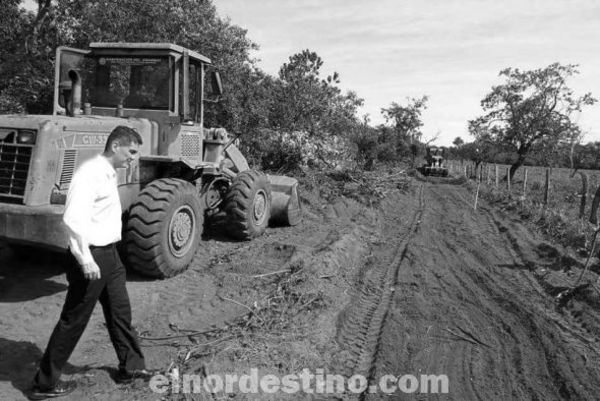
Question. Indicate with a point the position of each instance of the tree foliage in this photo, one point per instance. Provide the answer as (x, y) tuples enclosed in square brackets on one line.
[(479, 151), (531, 108), (404, 133), (27, 43), (406, 120), (303, 100), (585, 156), (27, 62)]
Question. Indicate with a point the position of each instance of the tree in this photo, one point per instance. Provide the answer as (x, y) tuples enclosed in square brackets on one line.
[(305, 101), (458, 141), (27, 43), (407, 119), (593, 149), (531, 107), (479, 151), (364, 139), (406, 123)]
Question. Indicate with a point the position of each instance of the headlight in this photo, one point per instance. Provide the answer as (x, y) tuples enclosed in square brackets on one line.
[(26, 137), (7, 135)]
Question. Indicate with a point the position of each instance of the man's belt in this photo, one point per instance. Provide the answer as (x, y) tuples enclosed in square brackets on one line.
[(111, 245)]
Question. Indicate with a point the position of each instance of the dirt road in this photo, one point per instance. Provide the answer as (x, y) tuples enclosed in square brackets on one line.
[(421, 284), (472, 295)]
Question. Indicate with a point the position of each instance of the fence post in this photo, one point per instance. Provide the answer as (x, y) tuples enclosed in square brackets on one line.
[(584, 190), (487, 177), (546, 188), (465, 171), (496, 171), (595, 204), (525, 184), (477, 194), (508, 179)]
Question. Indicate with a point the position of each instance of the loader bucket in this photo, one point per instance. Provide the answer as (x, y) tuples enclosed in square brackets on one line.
[(285, 204)]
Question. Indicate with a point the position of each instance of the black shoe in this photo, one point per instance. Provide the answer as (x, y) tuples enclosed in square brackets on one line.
[(59, 390), (127, 376)]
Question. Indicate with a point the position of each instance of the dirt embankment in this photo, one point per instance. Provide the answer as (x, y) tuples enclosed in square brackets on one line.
[(420, 284)]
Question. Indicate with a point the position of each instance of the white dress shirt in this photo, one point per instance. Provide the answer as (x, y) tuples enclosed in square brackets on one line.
[(93, 209)]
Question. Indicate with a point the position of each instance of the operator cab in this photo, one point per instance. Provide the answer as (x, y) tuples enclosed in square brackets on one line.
[(133, 79), (133, 82)]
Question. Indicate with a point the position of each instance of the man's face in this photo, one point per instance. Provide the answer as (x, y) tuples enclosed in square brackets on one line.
[(125, 154)]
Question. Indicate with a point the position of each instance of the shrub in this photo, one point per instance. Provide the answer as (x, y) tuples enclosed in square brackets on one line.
[(386, 152), (285, 152), (364, 142), (10, 105)]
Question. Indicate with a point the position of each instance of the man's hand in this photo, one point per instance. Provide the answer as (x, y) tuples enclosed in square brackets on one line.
[(91, 271)]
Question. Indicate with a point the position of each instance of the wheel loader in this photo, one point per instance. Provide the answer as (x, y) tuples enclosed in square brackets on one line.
[(185, 171), (434, 165)]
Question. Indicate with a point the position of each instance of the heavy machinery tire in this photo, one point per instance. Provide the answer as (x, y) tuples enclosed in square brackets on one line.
[(164, 228), (248, 205)]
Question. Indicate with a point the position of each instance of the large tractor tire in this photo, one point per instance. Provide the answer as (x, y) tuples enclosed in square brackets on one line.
[(164, 228), (248, 205)]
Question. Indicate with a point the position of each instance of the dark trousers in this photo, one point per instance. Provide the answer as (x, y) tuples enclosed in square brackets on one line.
[(79, 304)]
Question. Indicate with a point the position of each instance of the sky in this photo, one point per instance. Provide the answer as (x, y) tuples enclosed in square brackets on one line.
[(449, 50)]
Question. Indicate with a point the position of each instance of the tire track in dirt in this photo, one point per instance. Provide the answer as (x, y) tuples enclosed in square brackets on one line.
[(362, 321), (522, 248), (470, 273)]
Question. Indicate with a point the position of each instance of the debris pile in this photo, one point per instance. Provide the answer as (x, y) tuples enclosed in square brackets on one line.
[(369, 187)]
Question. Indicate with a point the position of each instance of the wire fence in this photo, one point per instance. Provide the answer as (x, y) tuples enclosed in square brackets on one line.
[(553, 189)]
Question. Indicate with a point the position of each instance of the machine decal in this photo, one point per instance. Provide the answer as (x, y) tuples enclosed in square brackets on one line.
[(95, 140)]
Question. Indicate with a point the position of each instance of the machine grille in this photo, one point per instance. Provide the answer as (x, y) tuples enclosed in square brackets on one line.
[(191, 145), (68, 168), (14, 168)]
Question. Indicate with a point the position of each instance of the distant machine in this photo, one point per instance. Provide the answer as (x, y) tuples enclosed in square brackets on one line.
[(434, 162)]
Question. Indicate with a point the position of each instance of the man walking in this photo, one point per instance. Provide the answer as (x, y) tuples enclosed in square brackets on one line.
[(93, 218)]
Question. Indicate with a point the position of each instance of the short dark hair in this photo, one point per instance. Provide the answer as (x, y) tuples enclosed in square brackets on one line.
[(124, 136)]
